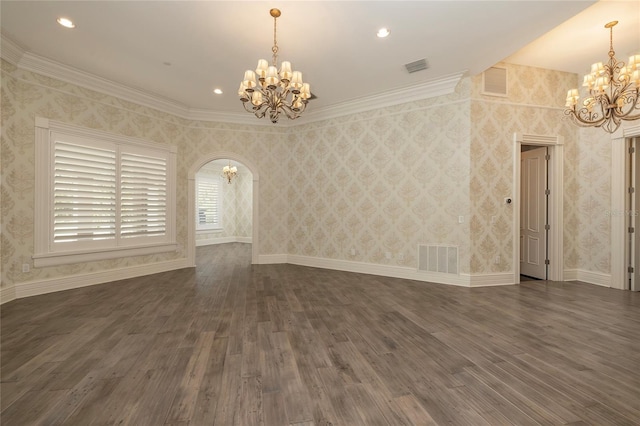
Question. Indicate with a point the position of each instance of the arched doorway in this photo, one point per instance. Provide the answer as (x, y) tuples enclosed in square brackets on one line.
[(191, 240)]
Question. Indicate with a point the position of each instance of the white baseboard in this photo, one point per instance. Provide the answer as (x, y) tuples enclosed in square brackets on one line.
[(596, 278), (265, 259), (34, 288), (381, 270), (222, 240), (570, 275), (489, 280), (7, 294)]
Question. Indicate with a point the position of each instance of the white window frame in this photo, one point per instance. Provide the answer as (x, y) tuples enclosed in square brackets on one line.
[(46, 253), (200, 177)]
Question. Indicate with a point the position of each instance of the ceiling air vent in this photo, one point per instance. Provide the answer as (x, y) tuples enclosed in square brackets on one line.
[(416, 66), (494, 82)]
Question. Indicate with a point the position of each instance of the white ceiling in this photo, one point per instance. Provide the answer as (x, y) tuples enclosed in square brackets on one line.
[(210, 43)]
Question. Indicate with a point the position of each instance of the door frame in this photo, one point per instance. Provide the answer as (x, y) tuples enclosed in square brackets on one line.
[(618, 206), (540, 200), (191, 214), (555, 202)]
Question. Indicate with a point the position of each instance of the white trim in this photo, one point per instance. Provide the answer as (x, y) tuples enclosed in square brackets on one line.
[(45, 254), (34, 63), (222, 240), (7, 294), (381, 270), (618, 204), (268, 259), (11, 51), (65, 258), (34, 288), (429, 89), (490, 280), (556, 202), (596, 278), (191, 204)]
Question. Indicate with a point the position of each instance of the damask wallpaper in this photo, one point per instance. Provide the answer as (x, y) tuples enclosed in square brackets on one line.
[(380, 183), (26, 95), (366, 187)]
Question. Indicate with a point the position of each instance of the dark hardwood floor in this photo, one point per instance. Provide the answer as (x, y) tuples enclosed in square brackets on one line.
[(233, 344)]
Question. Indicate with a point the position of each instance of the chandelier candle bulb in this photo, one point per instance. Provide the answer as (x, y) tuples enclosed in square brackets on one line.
[(285, 70), (296, 80), (256, 98), (272, 76), (249, 79), (261, 69)]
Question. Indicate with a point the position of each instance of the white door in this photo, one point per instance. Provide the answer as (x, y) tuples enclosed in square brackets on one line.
[(533, 213)]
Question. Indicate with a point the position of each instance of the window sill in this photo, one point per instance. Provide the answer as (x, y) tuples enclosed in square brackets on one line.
[(64, 258)]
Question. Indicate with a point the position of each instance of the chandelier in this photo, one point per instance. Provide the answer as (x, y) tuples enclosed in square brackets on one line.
[(229, 172), (274, 90), (613, 89)]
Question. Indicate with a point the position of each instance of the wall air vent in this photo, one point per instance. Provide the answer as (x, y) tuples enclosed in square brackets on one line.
[(438, 258), (494, 82), (416, 66)]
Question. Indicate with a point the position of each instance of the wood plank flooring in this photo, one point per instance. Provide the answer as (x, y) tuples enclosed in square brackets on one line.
[(229, 343)]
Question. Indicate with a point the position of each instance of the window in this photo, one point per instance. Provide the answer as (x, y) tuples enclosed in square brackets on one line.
[(100, 195), (208, 202)]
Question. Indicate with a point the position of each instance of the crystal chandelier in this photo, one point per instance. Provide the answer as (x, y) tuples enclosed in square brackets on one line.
[(613, 89), (229, 172), (275, 91)]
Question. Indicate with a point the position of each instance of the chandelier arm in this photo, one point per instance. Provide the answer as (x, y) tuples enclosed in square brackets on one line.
[(575, 115)]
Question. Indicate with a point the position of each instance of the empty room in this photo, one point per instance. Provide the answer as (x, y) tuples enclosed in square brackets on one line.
[(319, 213)]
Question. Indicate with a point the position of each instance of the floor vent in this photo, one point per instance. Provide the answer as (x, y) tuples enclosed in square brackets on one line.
[(415, 66), (438, 258), (494, 82)]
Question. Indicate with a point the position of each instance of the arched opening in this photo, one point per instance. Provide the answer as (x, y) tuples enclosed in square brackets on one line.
[(247, 177)]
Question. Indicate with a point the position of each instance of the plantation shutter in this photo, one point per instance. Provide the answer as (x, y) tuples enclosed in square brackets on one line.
[(84, 193), (143, 194), (208, 200)]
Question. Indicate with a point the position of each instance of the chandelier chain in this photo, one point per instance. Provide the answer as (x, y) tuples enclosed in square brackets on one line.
[(274, 49)]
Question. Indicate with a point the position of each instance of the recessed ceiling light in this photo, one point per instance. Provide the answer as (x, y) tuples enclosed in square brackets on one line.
[(383, 32), (217, 91), (65, 22)]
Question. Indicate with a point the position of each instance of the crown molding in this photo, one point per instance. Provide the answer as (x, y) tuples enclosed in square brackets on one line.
[(28, 61), (428, 89), (10, 51)]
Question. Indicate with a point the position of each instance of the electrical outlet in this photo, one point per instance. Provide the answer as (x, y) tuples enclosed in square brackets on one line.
[(460, 219), (493, 219), (25, 267), (400, 256), (497, 260)]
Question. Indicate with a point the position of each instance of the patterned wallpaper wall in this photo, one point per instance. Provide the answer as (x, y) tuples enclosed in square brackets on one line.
[(534, 106), (382, 182), (26, 95), (376, 182), (593, 201), (244, 208)]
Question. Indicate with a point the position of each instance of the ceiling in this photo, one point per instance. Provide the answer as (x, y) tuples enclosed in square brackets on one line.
[(179, 51)]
